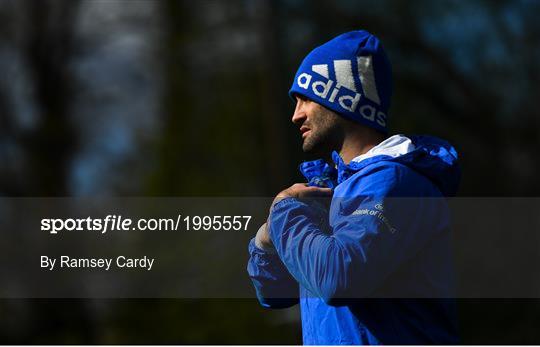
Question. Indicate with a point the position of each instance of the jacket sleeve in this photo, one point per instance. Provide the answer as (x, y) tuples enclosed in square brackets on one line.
[(274, 285), (370, 235)]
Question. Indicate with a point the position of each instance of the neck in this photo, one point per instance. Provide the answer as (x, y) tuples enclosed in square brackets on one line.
[(357, 143)]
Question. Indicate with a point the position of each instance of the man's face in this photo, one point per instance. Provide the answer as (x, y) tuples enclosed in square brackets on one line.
[(322, 129)]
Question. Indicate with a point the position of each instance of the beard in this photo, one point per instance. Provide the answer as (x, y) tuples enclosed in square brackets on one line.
[(326, 135)]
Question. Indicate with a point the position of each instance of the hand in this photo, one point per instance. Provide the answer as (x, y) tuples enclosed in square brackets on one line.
[(299, 191)]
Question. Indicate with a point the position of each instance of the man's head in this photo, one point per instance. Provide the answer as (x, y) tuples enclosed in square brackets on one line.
[(345, 83)]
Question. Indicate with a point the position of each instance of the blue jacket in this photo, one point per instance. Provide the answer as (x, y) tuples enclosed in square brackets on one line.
[(375, 267)]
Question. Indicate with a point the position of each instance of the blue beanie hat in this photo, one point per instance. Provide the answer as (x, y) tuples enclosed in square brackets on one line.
[(350, 75)]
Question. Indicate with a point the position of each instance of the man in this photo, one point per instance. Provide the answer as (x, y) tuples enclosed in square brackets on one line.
[(373, 267)]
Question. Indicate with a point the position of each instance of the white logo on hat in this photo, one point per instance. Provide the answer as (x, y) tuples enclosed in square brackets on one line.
[(344, 77)]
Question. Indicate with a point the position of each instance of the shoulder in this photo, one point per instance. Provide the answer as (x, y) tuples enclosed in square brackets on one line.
[(386, 178)]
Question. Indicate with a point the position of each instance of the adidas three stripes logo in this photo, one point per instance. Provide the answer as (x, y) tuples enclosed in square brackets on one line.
[(344, 75)]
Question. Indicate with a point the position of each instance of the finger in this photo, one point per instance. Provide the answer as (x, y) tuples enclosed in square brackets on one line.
[(321, 189), (316, 192), (324, 191)]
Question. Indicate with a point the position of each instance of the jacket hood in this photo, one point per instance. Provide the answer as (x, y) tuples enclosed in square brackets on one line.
[(432, 157)]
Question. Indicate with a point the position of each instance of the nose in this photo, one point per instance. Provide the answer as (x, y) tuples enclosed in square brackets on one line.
[(299, 115)]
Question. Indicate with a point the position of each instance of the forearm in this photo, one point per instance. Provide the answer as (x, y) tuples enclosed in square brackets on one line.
[(306, 248), (274, 286)]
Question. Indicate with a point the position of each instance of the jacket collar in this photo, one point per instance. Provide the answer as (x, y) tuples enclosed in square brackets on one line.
[(321, 174)]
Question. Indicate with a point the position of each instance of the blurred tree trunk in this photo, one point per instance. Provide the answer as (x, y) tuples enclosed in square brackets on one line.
[(47, 47), (7, 184), (272, 93), (172, 149)]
